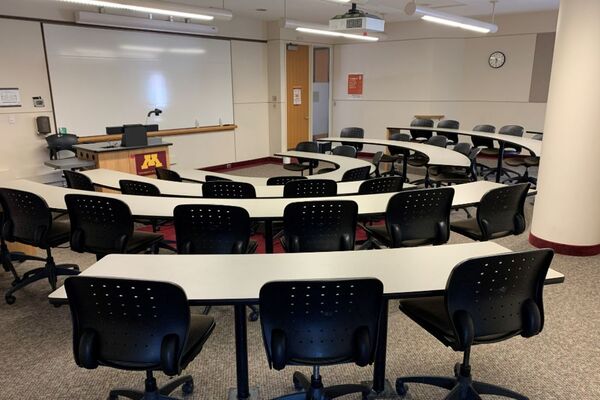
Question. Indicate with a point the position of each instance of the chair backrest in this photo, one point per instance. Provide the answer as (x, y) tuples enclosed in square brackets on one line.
[(500, 211), (496, 297), (353, 132), (138, 188), (100, 225), (211, 229), (401, 137), (449, 124), (386, 184), (345, 151), (311, 147), (310, 188), (320, 225), (438, 140), (166, 174), (228, 190), (483, 142), (282, 180), (463, 148), (128, 324), (356, 174), (513, 130), (58, 143), (426, 123), (214, 178), (419, 217), (320, 322), (27, 218), (77, 180)]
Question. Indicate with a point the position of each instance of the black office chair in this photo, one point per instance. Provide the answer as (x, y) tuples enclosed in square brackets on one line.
[(421, 135), (500, 213), (139, 188), (376, 161), (28, 220), (318, 323), (487, 300), (63, 142), (421, 160), (449, 124), (513, 130), (310, 188), (77, 180), (166, 174), (384, 184), (282, 180), (214, 178), (397, 154), (439, 176), (136, 325), (213, 229), (356, 174), (527, 162), (415, 218), (319, 226), (304, 164), (104, 225), (353, 132), (228, 190), (343, 151), (483, 143)]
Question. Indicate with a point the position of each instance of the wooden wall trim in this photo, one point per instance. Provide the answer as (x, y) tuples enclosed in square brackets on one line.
[(162, 133)]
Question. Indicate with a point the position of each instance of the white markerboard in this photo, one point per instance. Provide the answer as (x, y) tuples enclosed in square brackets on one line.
[(106, 77)]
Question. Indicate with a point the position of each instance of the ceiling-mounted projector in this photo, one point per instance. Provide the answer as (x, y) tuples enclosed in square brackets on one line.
[(356, 20)]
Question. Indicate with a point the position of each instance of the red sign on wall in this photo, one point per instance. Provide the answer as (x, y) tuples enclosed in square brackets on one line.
[(146, 163), (355, 84)]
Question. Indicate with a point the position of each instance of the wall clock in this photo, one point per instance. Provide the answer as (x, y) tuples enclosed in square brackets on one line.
[(497, 59)]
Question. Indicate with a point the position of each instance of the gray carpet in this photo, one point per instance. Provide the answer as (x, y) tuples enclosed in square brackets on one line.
[(563, 362)]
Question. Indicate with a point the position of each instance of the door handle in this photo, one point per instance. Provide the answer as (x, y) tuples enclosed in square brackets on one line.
[(305, 117)]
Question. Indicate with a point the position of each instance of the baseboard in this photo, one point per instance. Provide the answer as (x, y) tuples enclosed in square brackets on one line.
[(566, 249), (243, 164)]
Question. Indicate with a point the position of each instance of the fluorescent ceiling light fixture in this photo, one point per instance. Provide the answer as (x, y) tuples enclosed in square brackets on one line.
[(122, 21), (154, 7), (337, 34), (455, 21)]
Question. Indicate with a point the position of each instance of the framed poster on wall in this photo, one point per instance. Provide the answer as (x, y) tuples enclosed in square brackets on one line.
[(355, 84)]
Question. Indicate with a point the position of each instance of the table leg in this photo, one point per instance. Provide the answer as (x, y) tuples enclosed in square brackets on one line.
[(241, 352), (499, 165), (380, 353), (405, 167), (268, 236)]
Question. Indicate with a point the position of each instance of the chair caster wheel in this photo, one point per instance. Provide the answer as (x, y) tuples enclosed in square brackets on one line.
[(401, 388), (253, 316), (10, 299), (188, 387), (113, 397), (297, 384)]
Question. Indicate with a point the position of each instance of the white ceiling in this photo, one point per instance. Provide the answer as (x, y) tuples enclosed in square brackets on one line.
[(319, 11)]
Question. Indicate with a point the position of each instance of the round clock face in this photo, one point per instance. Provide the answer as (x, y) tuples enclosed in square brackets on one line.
[(497, 59)]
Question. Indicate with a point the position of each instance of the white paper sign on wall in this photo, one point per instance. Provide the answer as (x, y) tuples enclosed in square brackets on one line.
[(297, 96), (10, 97)]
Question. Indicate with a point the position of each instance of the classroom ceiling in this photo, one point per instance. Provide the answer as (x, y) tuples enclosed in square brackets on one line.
[(319, 11)]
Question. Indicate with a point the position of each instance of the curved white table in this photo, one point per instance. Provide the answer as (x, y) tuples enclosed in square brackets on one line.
[(235, 280), (342, 163), (436, 155), (266, 209), (108, 178), (534, 146)]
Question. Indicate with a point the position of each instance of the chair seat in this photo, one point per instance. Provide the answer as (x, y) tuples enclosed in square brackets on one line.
[(470, 228), (490, 151), (431, 314), (532, 161), (515, 161), (450, 177), (201, 327), (418, 160), (59, 233), (140, 241), (388, 158), (380, 233), (295, 167), (325, 170)]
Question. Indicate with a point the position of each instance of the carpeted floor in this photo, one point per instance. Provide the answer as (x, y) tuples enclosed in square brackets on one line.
[(563, 362)]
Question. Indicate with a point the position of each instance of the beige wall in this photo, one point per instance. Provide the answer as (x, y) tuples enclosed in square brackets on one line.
[(419, 70)]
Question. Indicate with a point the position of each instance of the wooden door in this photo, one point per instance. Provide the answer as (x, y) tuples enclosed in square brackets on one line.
[(297, 94)]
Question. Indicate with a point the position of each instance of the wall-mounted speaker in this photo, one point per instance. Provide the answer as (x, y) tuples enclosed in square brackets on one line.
[(43, 125)]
